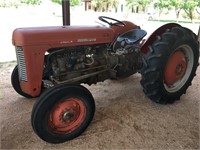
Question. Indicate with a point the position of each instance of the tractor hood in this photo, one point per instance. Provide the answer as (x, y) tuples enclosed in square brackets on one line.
[(60, 36)]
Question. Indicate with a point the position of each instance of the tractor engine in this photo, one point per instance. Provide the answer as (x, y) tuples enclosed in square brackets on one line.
[(90, 64)]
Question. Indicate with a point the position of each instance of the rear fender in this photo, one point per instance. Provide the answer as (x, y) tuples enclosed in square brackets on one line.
[(152, 37)]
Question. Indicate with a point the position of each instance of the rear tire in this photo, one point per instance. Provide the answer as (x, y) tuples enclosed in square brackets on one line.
[(15, 83), (62, 113), (170, 65)]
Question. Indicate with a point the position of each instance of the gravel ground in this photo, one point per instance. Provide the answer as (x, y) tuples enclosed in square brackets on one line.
[(124, 118)]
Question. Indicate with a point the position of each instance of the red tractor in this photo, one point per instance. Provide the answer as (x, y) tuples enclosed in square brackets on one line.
[(54, 61)]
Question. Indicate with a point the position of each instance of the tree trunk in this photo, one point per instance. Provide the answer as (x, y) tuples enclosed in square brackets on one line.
[(177, 14)]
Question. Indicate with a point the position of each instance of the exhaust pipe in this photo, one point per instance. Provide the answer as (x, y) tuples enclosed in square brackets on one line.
[(66, 12)]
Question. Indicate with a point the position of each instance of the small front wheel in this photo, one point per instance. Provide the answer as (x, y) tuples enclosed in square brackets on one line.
[(62, 113), (15, 83)]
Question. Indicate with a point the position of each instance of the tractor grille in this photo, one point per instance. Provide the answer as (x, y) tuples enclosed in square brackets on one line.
[(21, 64)]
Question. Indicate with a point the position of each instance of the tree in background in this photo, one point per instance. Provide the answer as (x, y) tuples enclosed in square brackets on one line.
[(112, 4), (138, 5), (178, 6), (143, 4), (189, 6), (72, 2), (105, 5), (16, 3), (198, 7), (31, 2), (132, 5), (99, 5), (9, 3), (161, 5)]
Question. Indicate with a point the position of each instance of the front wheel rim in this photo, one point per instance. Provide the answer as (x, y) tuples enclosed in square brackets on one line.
[(178, 68), (66, 116)]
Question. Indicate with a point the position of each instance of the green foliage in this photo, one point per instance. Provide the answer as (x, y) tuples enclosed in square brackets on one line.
[(161, 5), (99, 5), (72, 2), (10, 3), (3, 4), (105, 5), (198, 1), (143, 4), (132, 4), (138, 5), (178, 6), (113, 3), (31, 2), (189, 7), (57, 1), (167, 21)]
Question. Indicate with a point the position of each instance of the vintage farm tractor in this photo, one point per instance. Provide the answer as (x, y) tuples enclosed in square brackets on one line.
[(54, 61)]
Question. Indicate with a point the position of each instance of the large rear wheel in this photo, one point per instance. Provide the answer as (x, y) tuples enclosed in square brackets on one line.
[(170, 65), (62, 113)]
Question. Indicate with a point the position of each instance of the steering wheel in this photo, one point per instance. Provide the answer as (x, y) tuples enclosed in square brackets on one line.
[(116, 23)]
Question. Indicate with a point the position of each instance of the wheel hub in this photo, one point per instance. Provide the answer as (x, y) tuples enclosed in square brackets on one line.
[(175, 68), (179, 69), (66, 115)]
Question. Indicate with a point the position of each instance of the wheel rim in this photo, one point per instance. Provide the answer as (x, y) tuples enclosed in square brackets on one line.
[(178, 68), (66, 116)]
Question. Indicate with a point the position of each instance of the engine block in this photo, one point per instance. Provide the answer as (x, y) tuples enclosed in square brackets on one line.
[(90, 64)]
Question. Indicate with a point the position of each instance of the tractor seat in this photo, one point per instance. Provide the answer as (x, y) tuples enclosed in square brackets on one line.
[(132, 36)]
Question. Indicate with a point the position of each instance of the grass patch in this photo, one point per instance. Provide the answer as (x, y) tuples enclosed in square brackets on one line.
[(156, 20)]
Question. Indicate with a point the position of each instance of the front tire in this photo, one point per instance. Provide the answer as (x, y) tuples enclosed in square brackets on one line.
[(15, 83), (62, 113), (170, 65)]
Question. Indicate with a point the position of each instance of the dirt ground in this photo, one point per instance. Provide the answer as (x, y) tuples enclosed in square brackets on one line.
[(124, 118)]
